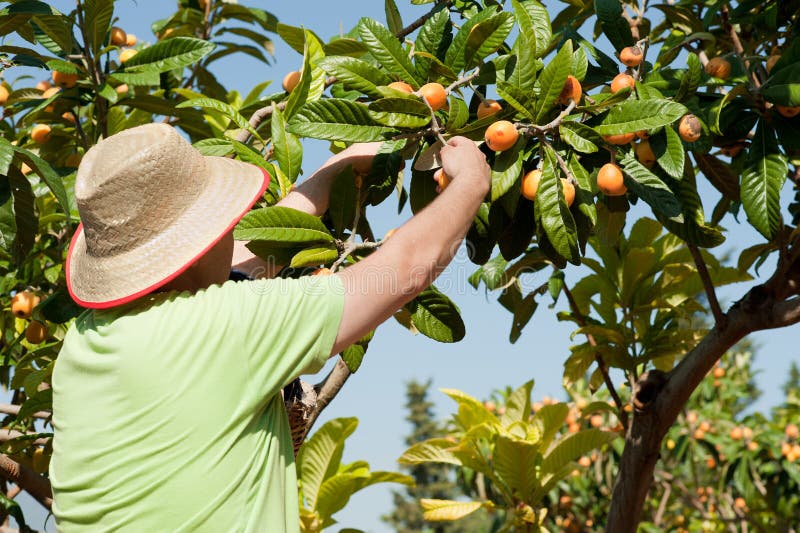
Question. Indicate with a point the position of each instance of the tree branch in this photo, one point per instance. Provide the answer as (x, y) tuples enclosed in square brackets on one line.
[(36, 485), (711, 294), (402, 34), (328, 389)]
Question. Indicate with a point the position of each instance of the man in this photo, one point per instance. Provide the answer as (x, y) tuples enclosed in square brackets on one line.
[(166, 394)]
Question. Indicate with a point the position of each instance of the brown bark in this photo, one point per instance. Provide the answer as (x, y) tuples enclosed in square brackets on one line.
[(34, 484), (659, 397)]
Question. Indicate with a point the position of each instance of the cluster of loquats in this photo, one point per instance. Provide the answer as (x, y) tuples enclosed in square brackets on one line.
[(22, 305), (790, 448)]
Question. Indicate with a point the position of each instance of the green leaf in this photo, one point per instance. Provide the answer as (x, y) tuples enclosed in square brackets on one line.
[(320, 456), (635, 115), (436, 316), (447, 510), (146, 77), (516, 462), (534, 23), (552, 210), (226, 109), (783, 87), (169, 54), (389, 52), (579, 136), (669, 152), (573, 446), (433, 38), (337, 120), (400, 113), (287, 147), (518, 405), (25, 216), (552, 79), (649, 187), (762, 180), (344, 200), (455, 57), (318, 255), (507, 169), (486, 37), (54, 182), (692, 228), (98, 15), (691, 79), (353, 355), (312, 78), (616, 28), (282, 225), (393, 18), (438, 450), (355, 74)]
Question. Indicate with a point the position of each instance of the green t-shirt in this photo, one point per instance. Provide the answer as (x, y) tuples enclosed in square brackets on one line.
[(168, 414)]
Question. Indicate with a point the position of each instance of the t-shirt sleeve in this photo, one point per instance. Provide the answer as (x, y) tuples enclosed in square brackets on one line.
[(286, 326)]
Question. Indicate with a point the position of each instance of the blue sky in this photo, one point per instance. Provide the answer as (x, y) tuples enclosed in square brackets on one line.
[(484, 360)]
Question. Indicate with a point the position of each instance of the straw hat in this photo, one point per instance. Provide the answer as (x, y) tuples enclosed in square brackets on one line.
[(150, 206)]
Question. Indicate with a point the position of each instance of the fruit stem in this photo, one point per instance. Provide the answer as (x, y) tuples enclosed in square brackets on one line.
[(464, 80), (437, 130), (532, 129)]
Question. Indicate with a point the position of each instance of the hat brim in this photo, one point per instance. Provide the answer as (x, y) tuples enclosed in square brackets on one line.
[(103, 282)]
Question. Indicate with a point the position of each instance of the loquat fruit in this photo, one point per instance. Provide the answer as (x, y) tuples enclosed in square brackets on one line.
[(64, 80), (23, 303), (718, 67), (488, 108), (572, 91), (689, 128), (401, 86), (127, 54), (501, 136), (644, 153), (40, 133), (631, 56), (619, 138), (530, 183), (36, 332), (611, 181), (434, 94), (621, 81), (118, 36), (291, 80), (442, 180)]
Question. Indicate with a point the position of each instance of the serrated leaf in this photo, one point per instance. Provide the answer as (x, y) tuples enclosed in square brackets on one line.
[(281, 225), (318, 255), (337, 120), (287, 147), (456, 53), (344, 200), (226, 109), (783, 87), (320, 456), (691, 79), (534, 23), (25, 217), (387, 50), (616, 28), (170, 54), (669, 152), (355, 74), (635, 115), (516, 462), (552, 79), (573, 446), (54, 182), (762, 180), (649, 187), (447, 510), (507, 169), (97, 16), (692, 228), (579, 136), (438, 450), (312, 78), (433, 38), (400, 113), (436, 316), (486, 37), (393, 18), (552, 211)]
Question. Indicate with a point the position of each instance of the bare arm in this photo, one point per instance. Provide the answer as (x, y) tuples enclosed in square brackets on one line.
[(310, 197), (420, 249)]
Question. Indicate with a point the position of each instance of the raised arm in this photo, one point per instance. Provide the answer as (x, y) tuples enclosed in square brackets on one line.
[(417, 253), (311, 197)]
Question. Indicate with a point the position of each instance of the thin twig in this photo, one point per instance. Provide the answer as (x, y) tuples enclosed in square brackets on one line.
[(402, 34), (708, 285), (437, 130), (465, 80), (737, 44), (601, 364), (533, 129)]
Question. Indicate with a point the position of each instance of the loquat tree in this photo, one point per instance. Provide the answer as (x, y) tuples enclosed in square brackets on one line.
[(710, 97)]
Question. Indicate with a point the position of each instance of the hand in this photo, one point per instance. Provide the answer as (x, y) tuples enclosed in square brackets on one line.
[(462, 160)]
